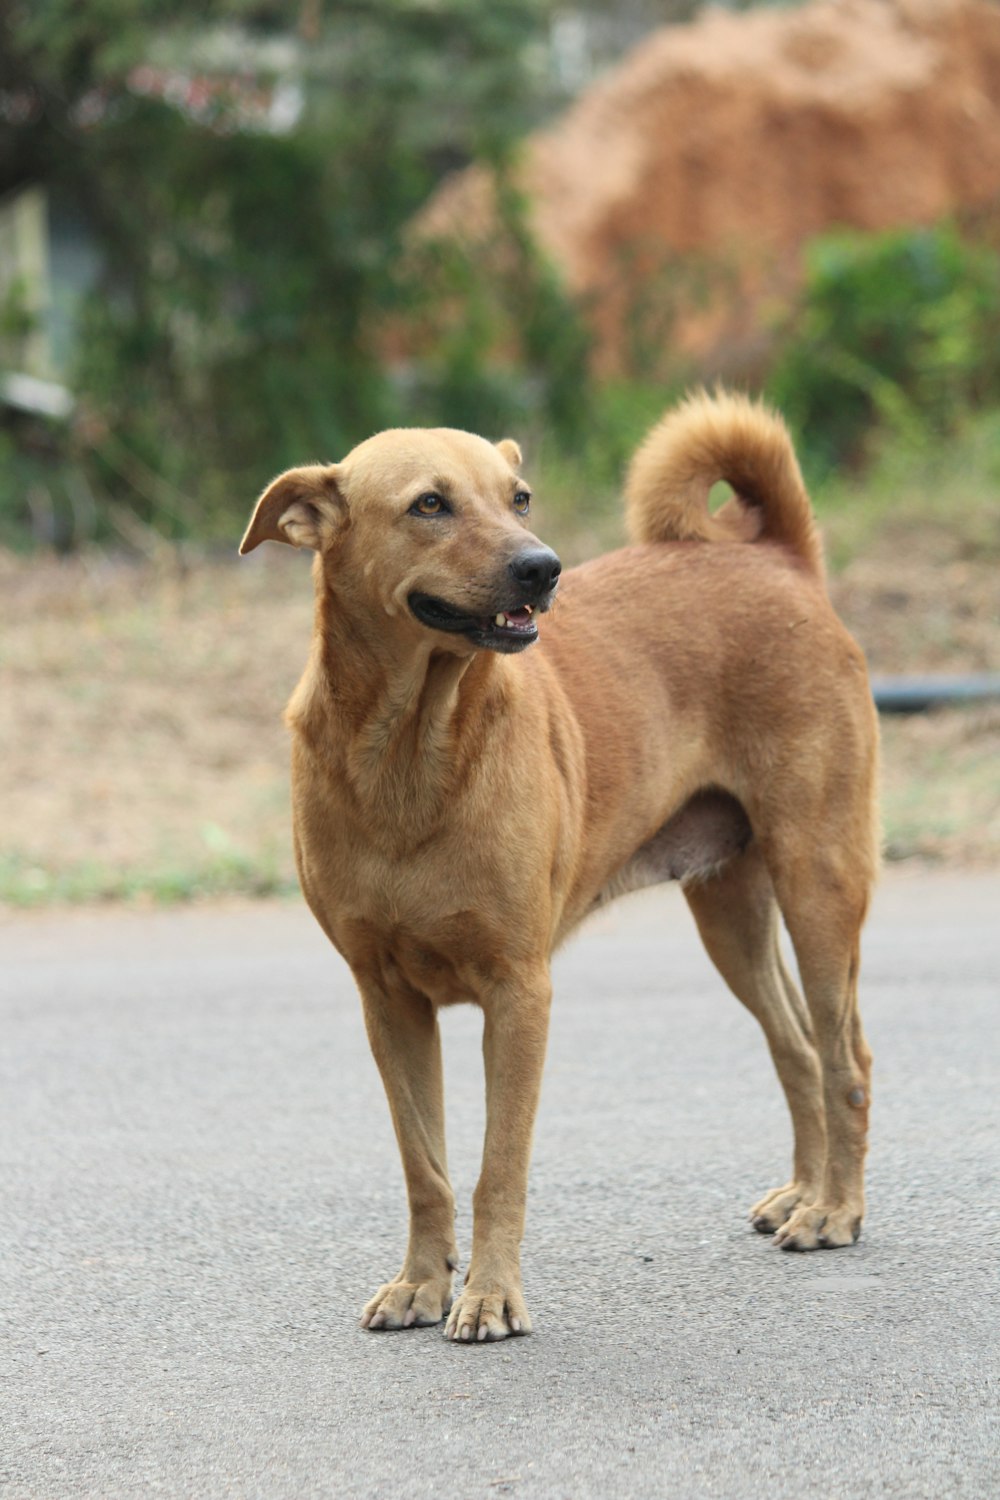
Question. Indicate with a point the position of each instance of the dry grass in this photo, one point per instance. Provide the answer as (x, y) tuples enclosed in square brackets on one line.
[(143, 744), (145, 756)]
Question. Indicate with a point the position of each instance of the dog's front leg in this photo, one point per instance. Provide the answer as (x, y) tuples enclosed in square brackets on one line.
[(515, 1031), (403, 1032)]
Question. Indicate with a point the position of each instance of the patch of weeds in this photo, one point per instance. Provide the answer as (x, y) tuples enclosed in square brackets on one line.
[(579, 508), (914, 830), (941, 785), (223, 870), (946, 488)]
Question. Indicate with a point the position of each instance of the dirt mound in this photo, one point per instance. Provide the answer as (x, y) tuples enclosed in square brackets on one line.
[(739, 137)]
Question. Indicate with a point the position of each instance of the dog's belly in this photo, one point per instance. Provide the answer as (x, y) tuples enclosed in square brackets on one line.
[(710, 829)]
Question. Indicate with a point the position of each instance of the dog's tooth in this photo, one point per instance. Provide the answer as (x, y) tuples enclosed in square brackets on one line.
[(501, 619)]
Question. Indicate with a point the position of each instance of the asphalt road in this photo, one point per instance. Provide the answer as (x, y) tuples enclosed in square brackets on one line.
[(199, 1189)]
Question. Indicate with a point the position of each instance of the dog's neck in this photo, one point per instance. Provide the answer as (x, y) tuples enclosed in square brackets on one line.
[(395, 719)]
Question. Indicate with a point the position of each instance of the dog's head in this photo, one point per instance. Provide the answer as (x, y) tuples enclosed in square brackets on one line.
[(427, 526)]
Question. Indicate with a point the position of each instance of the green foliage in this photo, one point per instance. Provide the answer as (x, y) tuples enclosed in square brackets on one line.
[(897, 332), (507, 350), (253, 279), (264, 300), (17, 319)]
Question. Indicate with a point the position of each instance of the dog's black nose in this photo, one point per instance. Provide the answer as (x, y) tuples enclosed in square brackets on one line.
[(536, 569)]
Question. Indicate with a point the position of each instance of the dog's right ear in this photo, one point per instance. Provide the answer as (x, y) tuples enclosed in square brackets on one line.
[(302, 506)]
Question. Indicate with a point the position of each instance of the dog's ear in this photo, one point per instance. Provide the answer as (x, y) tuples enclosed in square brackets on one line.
[(510, 451), (302, 506)]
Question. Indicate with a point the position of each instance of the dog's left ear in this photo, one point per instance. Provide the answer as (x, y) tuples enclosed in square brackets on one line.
[(302, 506), (510, 451)]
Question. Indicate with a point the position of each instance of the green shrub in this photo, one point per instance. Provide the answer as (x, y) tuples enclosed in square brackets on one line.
[(897, 331)]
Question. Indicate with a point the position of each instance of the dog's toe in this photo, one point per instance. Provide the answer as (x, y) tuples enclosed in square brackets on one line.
[(768, 1215), (820, 1226), (478, 1318), (406, 1304)]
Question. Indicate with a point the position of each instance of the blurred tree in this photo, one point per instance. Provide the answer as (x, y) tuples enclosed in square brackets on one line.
[(249, 173)]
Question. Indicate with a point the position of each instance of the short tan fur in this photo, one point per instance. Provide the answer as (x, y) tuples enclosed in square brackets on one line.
[(462, 798)]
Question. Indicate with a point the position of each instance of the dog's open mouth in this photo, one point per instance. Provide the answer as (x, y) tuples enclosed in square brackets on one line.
[(508, 630)]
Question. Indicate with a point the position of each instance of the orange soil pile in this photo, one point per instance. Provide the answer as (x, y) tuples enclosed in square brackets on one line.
[(740, 136)]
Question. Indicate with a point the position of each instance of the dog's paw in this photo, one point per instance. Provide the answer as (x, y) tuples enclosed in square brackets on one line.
[(407, 1304), (479, 1316), (820, 1226), (775, 1207)]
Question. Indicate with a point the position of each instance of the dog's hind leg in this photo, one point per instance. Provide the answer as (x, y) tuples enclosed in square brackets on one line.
[(737, 917), (824, 897), (405, 1040)]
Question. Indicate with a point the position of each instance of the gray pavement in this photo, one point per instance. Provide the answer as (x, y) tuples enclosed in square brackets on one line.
[(199, 1189)]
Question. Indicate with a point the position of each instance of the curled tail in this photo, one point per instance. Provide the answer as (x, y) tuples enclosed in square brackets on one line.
[(727, 437)]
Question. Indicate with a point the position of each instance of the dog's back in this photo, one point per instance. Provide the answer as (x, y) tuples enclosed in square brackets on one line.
[(709, 650)]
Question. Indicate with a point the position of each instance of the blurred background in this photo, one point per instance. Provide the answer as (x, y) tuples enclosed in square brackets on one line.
[(240, 236)]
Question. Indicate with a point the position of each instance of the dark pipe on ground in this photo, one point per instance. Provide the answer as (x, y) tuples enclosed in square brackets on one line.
[(912, 695)]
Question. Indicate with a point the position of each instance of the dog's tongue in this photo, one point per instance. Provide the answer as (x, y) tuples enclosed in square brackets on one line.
[(517, 616)]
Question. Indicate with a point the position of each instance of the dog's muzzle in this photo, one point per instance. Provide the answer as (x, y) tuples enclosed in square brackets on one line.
[(511, 624)]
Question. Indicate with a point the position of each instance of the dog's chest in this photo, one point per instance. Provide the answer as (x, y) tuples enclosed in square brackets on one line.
[(452, 958), (446, 919)]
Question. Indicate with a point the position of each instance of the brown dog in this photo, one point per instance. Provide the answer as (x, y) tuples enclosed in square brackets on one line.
[(694, 711)]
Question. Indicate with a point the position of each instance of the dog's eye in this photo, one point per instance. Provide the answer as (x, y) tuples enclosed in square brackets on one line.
[(429, 505), (522, 502)]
